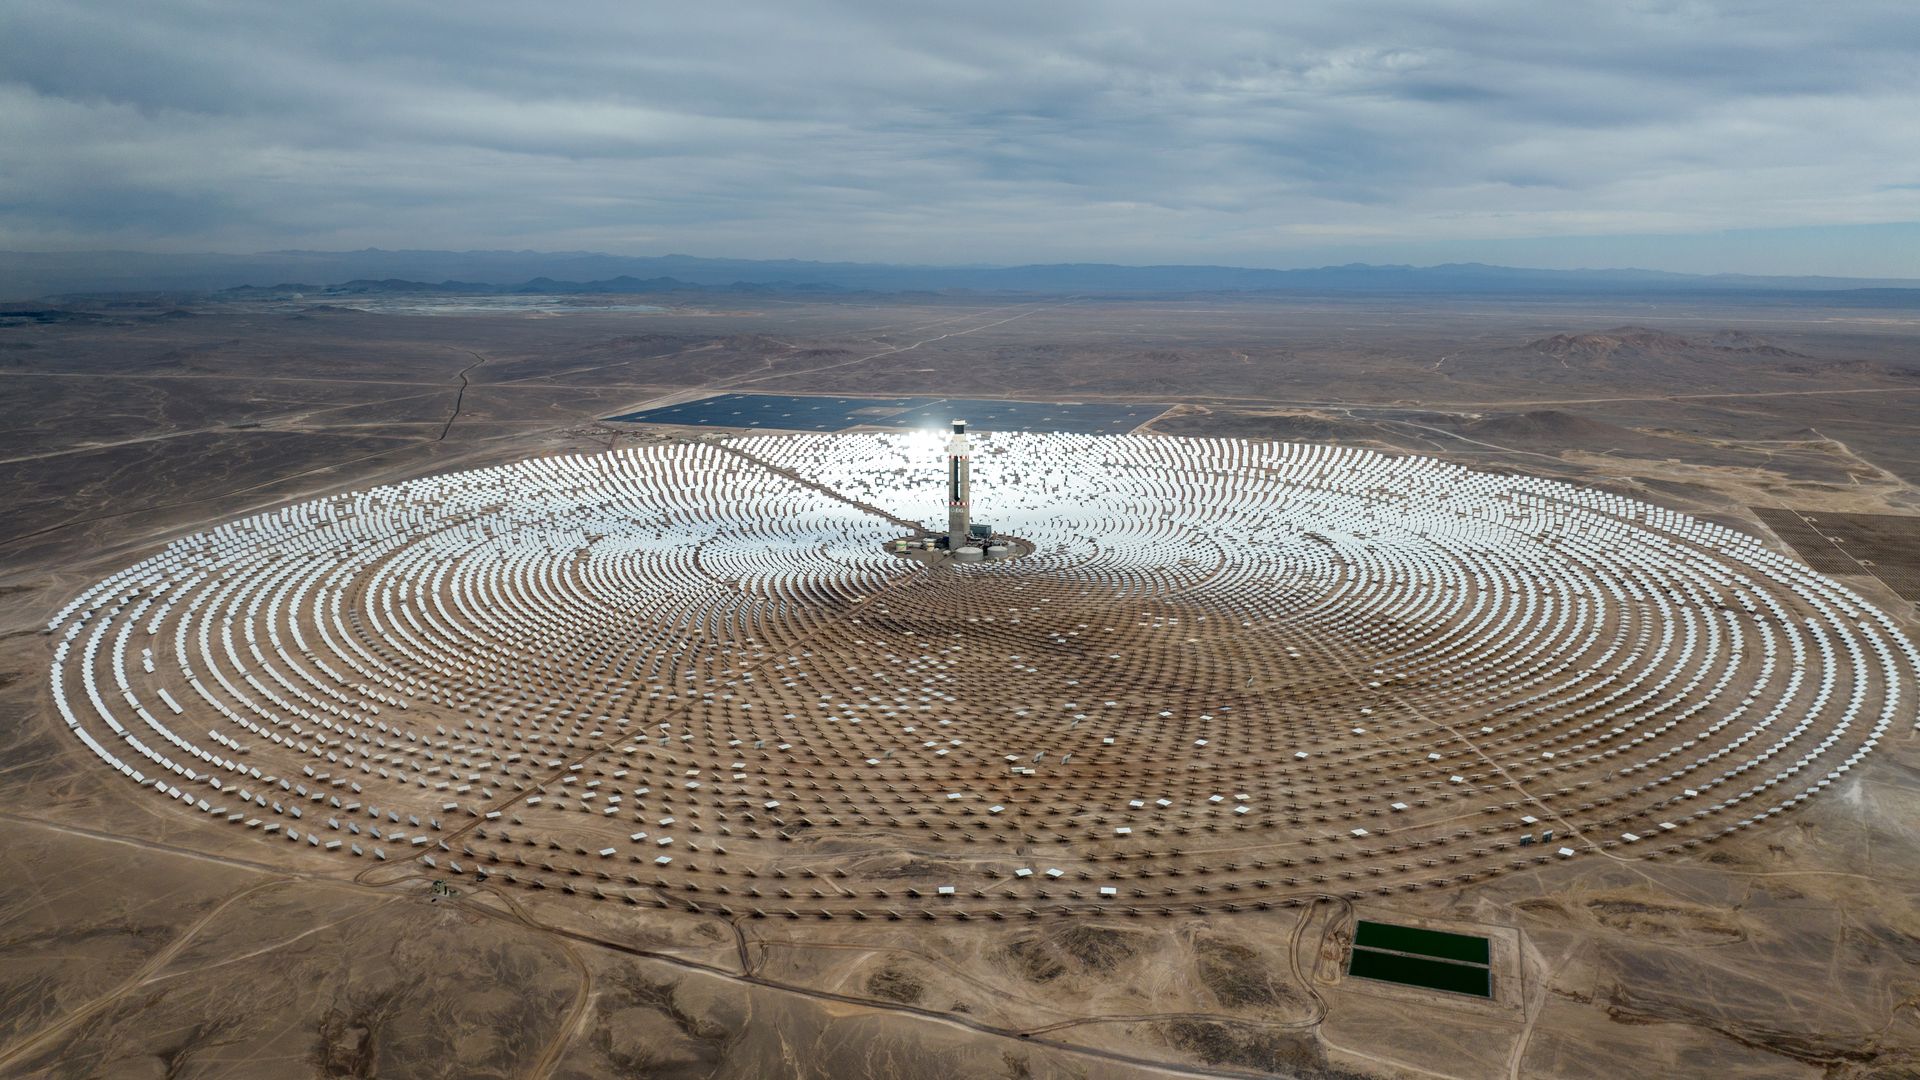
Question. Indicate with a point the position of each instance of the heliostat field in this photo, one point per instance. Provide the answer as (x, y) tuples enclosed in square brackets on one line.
[(1229, 674)]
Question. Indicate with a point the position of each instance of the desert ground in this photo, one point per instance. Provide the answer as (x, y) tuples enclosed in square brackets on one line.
[(140, 939)]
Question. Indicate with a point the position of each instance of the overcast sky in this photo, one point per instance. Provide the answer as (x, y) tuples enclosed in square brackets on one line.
[(1745, 136)]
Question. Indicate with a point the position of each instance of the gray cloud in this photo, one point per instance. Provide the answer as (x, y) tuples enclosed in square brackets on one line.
[(1126, 131)]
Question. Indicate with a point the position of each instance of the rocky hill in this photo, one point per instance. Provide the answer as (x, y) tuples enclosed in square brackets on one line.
[(1644, 343)]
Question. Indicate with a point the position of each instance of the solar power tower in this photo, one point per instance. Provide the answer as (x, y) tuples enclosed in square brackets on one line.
[(957, 451)]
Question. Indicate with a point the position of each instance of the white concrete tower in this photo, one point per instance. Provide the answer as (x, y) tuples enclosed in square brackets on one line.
[(957, 517)]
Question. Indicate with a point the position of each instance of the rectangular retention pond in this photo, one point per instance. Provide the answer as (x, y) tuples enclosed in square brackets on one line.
[(827, 413), (1411, 956)]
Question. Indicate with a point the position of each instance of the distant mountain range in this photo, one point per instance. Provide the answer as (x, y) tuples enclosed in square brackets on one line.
[(38, 274), (625, 284)]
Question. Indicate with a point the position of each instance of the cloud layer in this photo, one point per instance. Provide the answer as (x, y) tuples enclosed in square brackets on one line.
[(1254, 133)]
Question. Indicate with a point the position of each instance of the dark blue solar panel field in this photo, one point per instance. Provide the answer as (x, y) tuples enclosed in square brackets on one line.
[(807, 413)]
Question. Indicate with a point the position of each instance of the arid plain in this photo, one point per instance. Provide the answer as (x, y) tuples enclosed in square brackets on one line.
[(143, 940)]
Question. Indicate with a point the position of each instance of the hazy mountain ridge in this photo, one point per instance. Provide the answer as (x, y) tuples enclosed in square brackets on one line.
[(33, 274)]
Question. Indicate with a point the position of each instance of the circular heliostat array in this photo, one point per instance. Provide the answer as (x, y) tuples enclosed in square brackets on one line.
[(1228, 674)]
